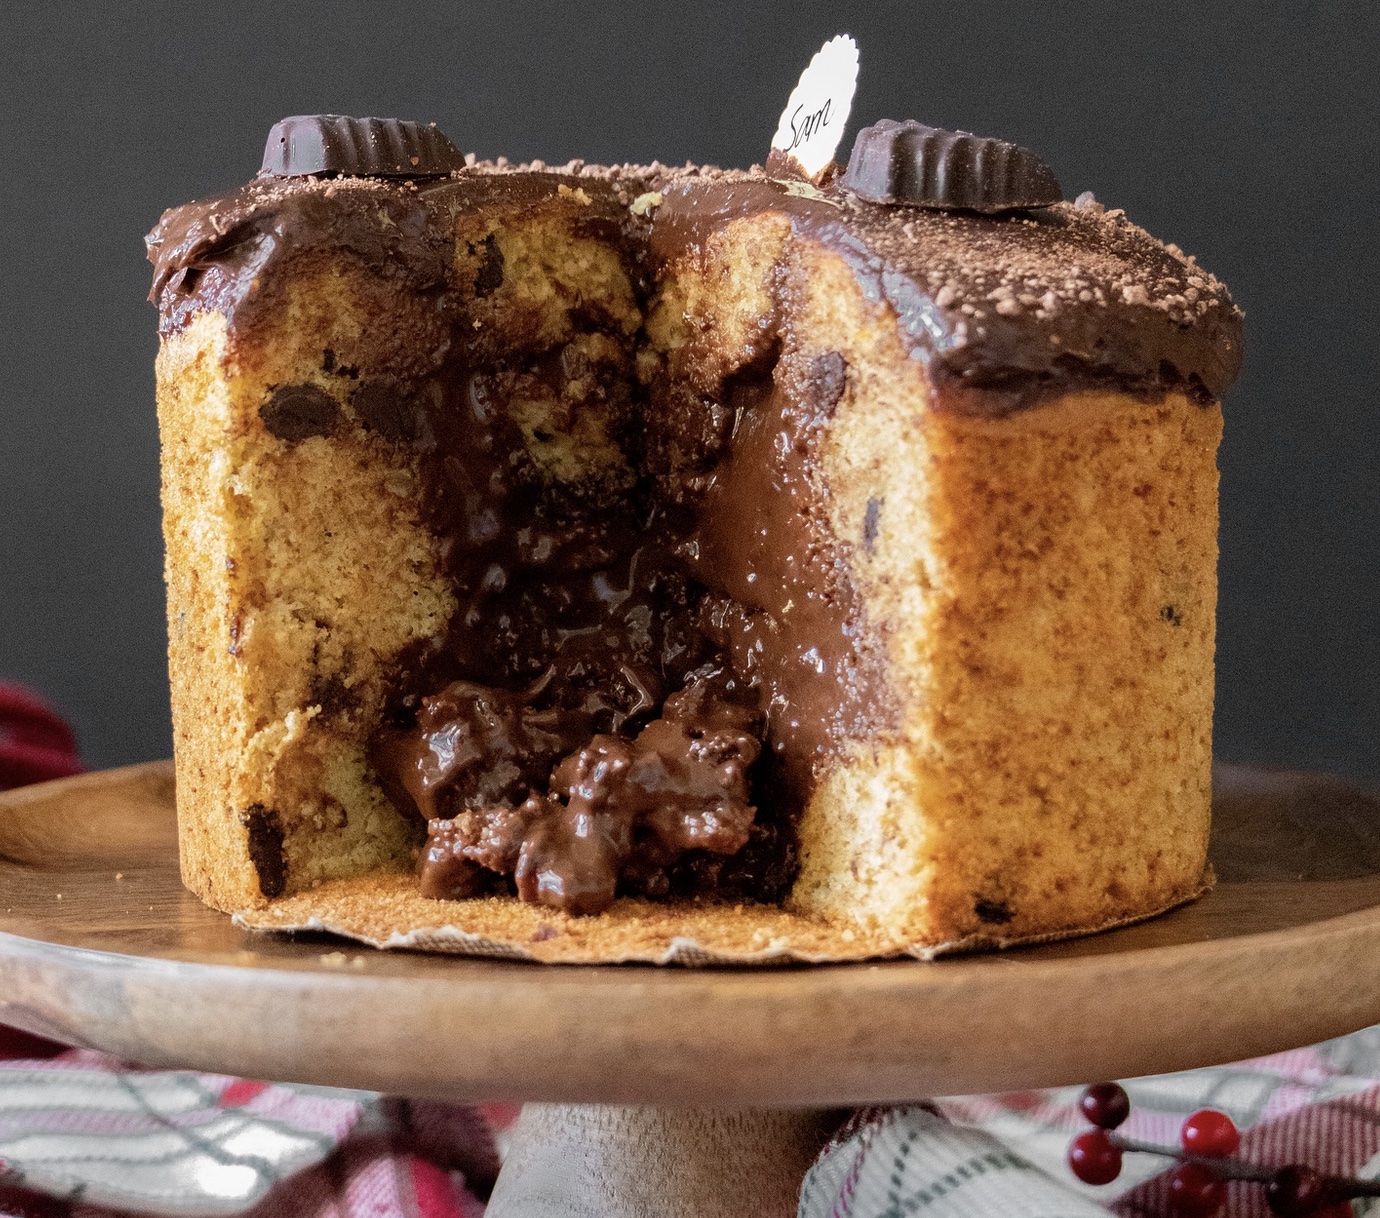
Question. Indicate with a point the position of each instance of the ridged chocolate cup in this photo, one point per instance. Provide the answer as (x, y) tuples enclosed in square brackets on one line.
[(303, 145), (910, 163)]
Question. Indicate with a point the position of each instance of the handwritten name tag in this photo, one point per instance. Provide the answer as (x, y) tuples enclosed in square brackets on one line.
[(814, 118)]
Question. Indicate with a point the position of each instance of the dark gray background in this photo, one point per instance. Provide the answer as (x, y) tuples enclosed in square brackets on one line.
[(1245, 132)]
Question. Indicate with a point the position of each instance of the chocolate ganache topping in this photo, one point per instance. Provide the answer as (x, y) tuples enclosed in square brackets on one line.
[(1032, 301), (1067, 293), (645, 674)]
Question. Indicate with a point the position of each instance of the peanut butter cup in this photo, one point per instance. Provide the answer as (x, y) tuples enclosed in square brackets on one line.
[(908, 162), (310, 144)]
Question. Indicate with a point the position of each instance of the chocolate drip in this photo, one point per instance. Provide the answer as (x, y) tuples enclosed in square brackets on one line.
[(783, 610), (697, 565)]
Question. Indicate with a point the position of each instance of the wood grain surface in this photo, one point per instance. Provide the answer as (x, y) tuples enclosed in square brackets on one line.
[(598, 1161), (100, 945)]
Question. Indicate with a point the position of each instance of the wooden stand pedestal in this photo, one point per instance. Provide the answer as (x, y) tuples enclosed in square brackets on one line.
[(596, 1161)]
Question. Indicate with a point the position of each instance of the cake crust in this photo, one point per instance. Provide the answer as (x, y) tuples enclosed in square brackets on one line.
[(384, 910)]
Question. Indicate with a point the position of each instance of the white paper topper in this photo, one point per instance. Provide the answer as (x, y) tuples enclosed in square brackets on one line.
[(813, 121)]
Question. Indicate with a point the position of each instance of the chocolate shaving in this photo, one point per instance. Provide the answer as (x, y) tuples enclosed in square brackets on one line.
[(872, 518), (907, 162), (829, 380)]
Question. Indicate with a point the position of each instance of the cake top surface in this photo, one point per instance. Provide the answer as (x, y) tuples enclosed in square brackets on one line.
[(1017, 300)]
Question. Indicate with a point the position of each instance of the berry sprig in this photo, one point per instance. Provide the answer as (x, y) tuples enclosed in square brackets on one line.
[(1198, 1186)]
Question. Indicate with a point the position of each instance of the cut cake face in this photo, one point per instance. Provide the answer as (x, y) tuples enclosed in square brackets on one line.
[(685, 565)]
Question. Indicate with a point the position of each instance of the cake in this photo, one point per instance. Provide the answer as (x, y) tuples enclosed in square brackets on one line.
[(609, 562)]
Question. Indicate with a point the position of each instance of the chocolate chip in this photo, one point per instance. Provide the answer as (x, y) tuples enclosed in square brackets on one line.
[(997, 912), (305, 144), (331, 694), (266, 848), (910, 163), (490, 276), (871, 518), (1172, 615), (385, 407), (295, 412)]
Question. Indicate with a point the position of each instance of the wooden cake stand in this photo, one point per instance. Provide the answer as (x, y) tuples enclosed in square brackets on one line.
[(672, 1090)]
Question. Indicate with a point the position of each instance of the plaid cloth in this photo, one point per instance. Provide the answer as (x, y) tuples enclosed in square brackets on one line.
[(83, 1135), (974, 1156)]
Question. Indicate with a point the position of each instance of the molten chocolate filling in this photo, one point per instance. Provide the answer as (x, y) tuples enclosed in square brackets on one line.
[(648, 660)]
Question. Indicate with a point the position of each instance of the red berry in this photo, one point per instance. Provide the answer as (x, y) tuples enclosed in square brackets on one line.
[(1209, 1133), (1094, 1158), (1295, 1192), (14, 1043), (1194, 1192), (1105, 1104)]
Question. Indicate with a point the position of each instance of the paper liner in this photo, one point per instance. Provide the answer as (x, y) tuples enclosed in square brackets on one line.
[(385, 911)]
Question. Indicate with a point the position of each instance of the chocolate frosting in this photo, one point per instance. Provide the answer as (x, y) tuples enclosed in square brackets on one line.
[(209, 255), (1023, 302), (1066, 293)]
